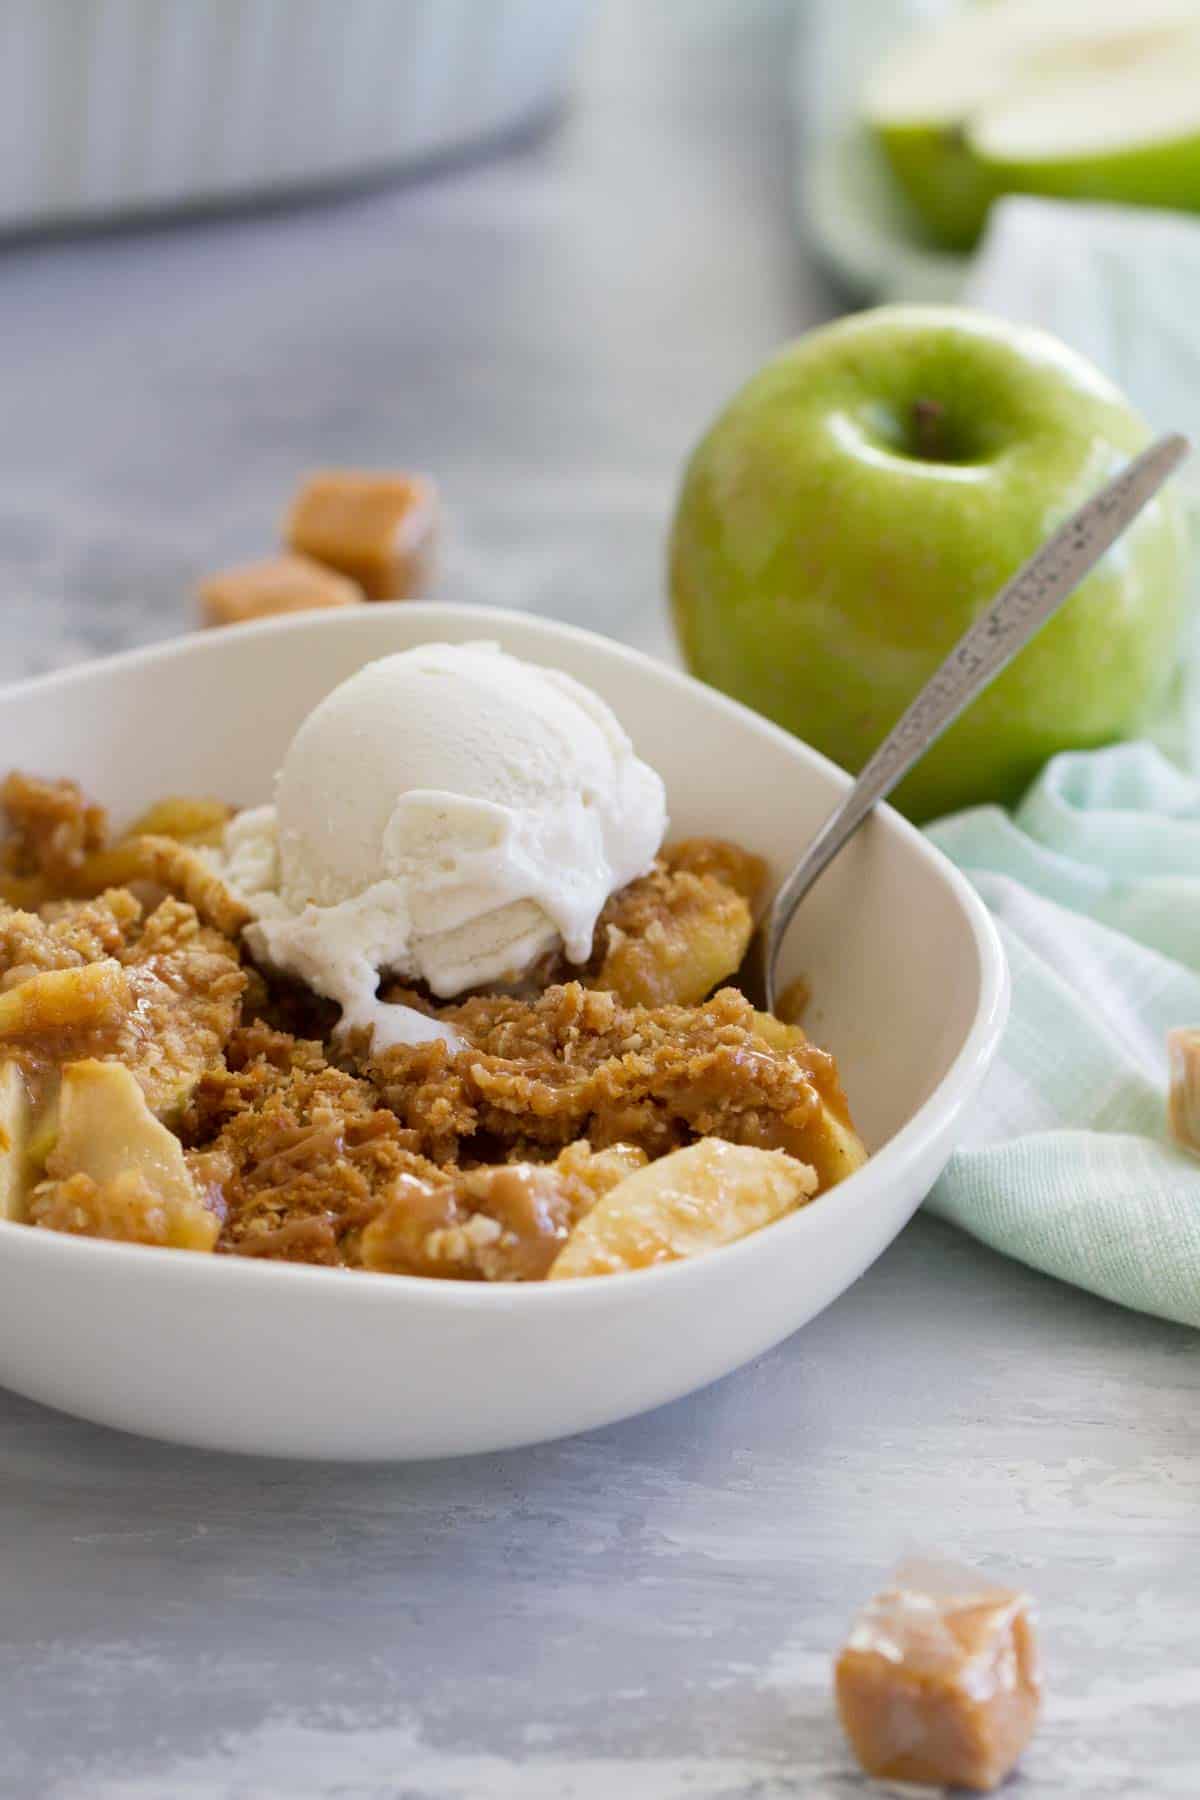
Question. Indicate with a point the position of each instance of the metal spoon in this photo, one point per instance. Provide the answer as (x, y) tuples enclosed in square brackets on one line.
[(1036, 591)]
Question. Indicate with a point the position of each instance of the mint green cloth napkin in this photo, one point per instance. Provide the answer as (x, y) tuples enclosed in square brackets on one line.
[(1094, 881)]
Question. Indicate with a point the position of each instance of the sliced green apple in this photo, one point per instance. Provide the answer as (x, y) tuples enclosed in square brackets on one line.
[(1087, 98), (1131, 135)]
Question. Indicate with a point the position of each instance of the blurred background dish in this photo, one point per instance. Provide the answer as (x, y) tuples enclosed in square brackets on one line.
[(115, 107), (853, 214)]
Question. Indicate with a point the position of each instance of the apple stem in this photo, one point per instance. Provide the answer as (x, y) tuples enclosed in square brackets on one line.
[(928, 419)]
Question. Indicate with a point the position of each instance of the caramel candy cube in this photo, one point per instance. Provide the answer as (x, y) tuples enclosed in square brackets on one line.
[(1183, 1094), (278, 584), (938, 1681), (376, 527)]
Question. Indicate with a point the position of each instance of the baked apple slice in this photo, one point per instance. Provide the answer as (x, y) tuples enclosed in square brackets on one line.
[(685, 1204)]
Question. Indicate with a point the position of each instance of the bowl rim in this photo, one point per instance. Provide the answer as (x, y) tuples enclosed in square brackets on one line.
[(370, 1287)]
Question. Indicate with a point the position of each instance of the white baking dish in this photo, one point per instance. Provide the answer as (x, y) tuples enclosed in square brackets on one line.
[(122, 106)]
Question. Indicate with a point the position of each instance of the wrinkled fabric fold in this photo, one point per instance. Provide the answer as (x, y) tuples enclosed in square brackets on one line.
[(1094, 884)]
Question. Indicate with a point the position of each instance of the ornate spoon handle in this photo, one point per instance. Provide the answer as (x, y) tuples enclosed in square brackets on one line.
[(1021, 607)]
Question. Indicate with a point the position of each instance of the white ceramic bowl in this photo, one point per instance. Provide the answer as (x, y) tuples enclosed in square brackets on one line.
[(909, 988), (111, 107)]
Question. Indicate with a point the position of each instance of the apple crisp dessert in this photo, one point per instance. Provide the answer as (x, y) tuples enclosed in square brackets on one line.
[(158, 1086)]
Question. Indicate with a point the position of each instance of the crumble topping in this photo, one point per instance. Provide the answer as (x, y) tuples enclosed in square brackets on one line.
[(578, 1064), (474, 1161), (91, 979), (52, 828)]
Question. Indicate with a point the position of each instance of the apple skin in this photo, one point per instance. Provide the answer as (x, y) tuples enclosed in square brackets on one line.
[(1164, 175), (823, 563), (950, 179), (947, 187)]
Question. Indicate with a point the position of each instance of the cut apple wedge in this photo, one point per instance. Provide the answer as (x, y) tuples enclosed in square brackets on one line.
[(687, 1203), (107, 1132), (15, 1130), (830, 1142), (1132, 135), (86, 999), (1091, 99)]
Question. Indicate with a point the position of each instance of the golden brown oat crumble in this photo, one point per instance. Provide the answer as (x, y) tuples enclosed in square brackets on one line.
[(83, 981), (475, 1165), (65, 935), (289, 1139), (52, 828), (56, 847), (503, 1222), (576, 1063), (126, 1208)]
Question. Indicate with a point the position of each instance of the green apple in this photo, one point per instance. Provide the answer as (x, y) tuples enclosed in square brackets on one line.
[(868, 493), (1091, 99)]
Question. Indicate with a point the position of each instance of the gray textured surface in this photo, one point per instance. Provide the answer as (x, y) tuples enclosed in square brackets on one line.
[(647, 1611)]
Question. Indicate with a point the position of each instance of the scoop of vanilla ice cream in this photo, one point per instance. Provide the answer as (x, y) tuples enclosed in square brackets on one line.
[(445, 815)]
